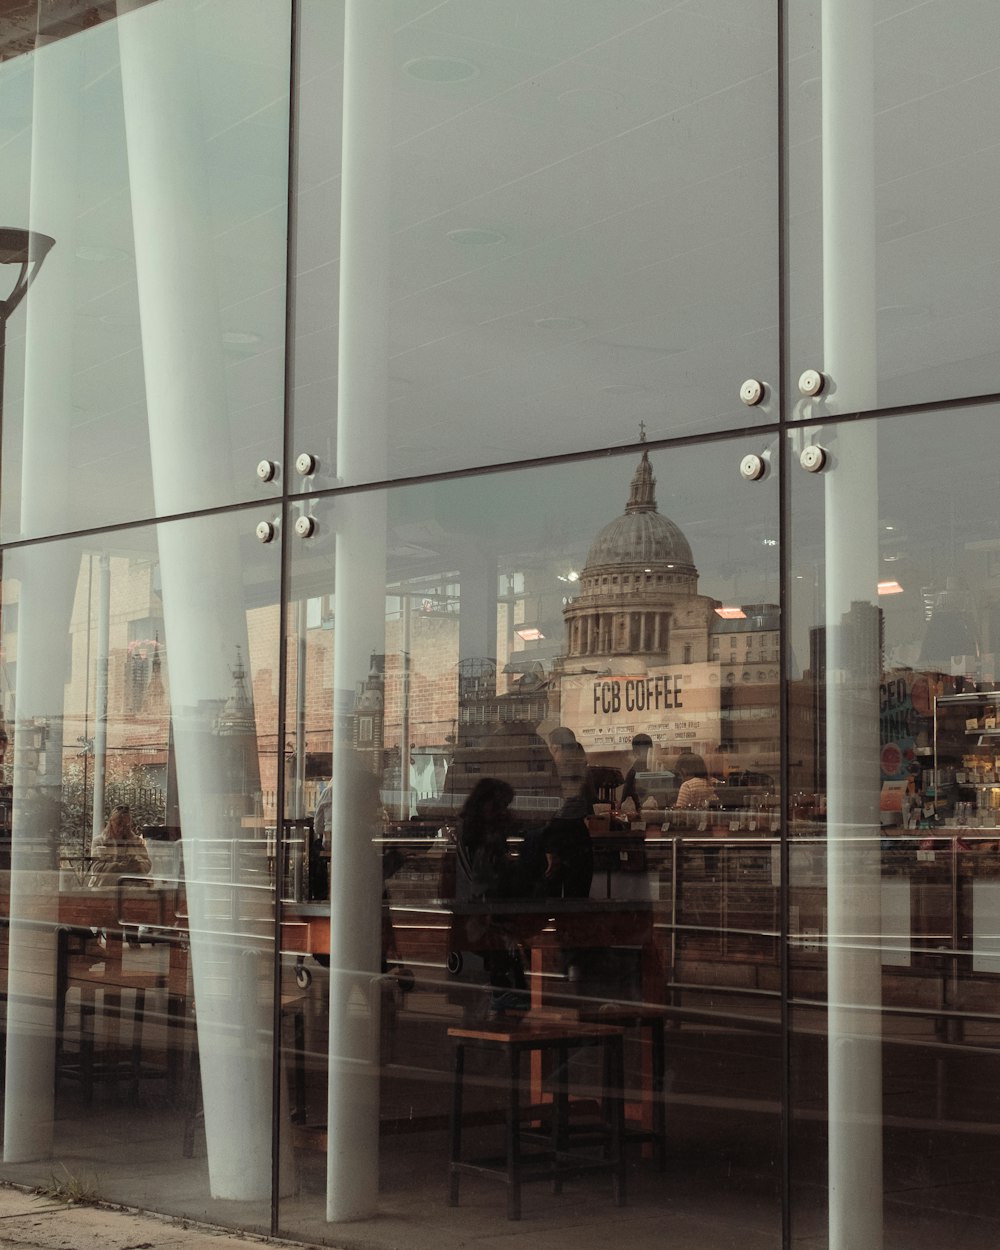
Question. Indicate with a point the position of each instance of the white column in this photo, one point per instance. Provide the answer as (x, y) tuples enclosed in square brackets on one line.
[(352, 1160), (46, 577), (203, 594), (356, 880), (301, 657), (405, 670), (853, 857), (101, 693)]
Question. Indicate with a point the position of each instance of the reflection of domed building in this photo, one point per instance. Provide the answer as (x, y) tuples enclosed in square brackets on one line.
[(638, 590), (645, 652)]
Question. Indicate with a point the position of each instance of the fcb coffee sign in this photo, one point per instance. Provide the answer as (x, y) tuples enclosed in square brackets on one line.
[(677, 707)]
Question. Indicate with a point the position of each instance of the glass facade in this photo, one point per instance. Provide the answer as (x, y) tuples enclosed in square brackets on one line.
[(498, 612)]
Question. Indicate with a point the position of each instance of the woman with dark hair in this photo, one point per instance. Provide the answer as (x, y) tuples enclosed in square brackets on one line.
[(484, 824), (487, 870), (695, 790)]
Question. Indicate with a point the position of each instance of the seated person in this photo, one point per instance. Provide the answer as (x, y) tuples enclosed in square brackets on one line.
[(565, 840), (486, 870), (120, 851), (696, 791)]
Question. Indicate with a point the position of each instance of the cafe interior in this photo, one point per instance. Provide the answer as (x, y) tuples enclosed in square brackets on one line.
[(500, 618)]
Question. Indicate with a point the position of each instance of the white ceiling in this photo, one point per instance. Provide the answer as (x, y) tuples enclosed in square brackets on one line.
[(623, 155)]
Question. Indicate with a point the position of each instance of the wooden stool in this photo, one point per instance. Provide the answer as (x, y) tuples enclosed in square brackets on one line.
[(642, 1016), (527, 1036)]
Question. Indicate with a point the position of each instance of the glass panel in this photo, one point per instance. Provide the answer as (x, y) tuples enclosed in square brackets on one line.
[(896, 214), (895, 625), (548, 699), (553, 216), (35, 23), (145, 370), (139, 699)]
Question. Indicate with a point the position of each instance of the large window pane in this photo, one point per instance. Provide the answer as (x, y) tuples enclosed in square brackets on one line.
[(894, 832), (145, 369), (548, 217), (893, 168), (451, 641), (140, 767)]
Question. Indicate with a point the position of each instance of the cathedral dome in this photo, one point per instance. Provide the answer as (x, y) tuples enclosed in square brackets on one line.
[(642, 536)]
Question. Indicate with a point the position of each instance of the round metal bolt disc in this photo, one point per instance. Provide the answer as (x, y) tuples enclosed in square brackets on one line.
[(304, 526), (266, 470), (813, 458), (811, 382), (752, 392), (306, 464), (265, 532), (752, 467)]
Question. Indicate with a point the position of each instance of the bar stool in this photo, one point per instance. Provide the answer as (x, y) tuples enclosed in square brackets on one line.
[(512, 1040), (102, 983), (642, 1016)]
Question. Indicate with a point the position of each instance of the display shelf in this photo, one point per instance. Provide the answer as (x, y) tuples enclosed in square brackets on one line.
[(966, 754)]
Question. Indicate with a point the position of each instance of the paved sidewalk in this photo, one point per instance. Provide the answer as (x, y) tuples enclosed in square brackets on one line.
[(30, 1222)]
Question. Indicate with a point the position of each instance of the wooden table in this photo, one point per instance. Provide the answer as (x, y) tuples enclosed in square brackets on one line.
[(583, 922), (92, 930), (429, 931)]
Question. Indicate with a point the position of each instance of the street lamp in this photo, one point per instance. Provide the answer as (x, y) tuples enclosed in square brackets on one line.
[(26, 249)]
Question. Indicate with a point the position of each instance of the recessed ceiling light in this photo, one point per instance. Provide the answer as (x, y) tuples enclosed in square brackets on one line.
[(560, 323), (890, 588), (731, 614), (472, 236), (441, 69), (530, 634), (95, 252)]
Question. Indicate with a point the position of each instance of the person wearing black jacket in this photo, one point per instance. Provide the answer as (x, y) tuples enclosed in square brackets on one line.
[(486, 869)]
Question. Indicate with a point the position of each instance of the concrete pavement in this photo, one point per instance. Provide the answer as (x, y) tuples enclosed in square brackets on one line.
[(31, 1222)]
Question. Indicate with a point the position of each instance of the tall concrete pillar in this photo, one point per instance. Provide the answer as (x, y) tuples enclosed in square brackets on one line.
[(356, 885), (205, 614), (46, 579), (853, 857)]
